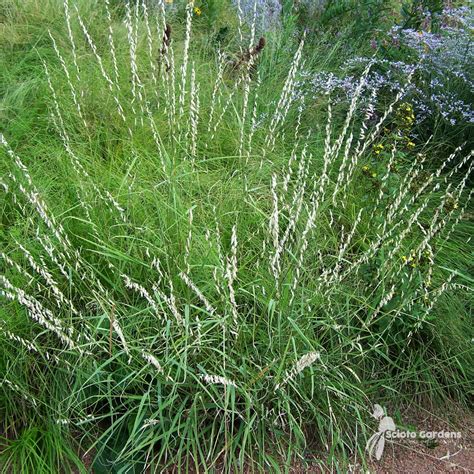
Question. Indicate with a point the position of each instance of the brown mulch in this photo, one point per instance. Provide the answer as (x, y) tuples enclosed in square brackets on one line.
[(418, 455), (440, 455)]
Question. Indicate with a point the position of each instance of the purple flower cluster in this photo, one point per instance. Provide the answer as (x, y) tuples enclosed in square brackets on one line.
[(444, 62), (440, 64)]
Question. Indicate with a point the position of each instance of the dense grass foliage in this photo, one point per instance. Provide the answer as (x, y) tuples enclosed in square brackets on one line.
[(203, 267)]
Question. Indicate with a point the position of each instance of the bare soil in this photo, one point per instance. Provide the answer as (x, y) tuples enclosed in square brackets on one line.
[(420, 455), (425, 456)]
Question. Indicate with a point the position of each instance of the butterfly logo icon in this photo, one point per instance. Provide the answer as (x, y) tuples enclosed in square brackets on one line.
[(376, 442)]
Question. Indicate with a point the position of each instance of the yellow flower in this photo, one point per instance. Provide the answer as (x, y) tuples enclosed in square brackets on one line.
[(378, 149), (406, 116), (374, 175), (410, 145), (197, 11)]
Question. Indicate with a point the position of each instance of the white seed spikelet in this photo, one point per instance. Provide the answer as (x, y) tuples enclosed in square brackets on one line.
[(109, 81), (305, 361), (231, 273), (194, 115), (38, 313), (218, 380), (151, 359), (185, 277), (141, 291), (184, 65), (16, 388), (112, 43), (71, 40), (68, 77), (119, 332)]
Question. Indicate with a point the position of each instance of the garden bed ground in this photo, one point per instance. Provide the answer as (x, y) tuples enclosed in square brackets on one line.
[(420, 456)]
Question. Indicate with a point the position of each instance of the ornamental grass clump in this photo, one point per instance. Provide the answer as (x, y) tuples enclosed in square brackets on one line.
[(194, 273)]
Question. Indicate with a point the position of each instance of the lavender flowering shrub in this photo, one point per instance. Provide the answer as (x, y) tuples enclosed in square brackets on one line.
[(443, 64), (439, 66)]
